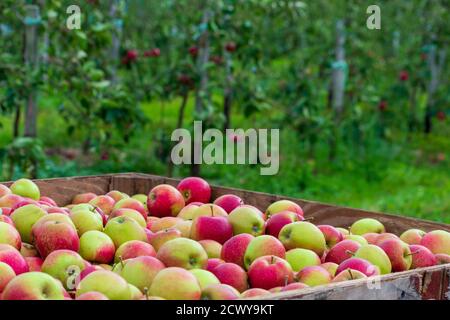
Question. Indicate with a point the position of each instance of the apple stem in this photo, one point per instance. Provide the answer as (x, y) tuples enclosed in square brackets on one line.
[(412, 253), (121, 261), (286, 279), (351, 274), (146, 293), (349, 252), (212, 211), (272, 260)]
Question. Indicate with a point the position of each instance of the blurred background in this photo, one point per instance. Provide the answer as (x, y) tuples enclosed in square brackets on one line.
[(363, 114)]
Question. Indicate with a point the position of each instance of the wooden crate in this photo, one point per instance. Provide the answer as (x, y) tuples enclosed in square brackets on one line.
[(424, 283)]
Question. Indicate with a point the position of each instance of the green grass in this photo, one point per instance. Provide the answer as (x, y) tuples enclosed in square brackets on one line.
[(401, 178)]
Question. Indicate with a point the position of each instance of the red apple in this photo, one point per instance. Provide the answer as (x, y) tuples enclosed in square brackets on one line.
[(117, 195), (164, 200), (399, 254), (49, 200), (212, 263), (4, 190), (314, 276), (342, 251), (194, 189), (264, 245), (219, 292), (12, 257), (284, 205), (268, 272), (294, 286), (412, 236), (9, 235), (277, 221), (384, 236), (371, 237), (360, 265), (106, 203), (164, 223), (34, 263), (228, 202), (254, 292), (130, 203), (134, 248), (5, 212), (6, 219), (233, 250), (331, 234), (159, 238), (6, 275), (54, 235), (442, 258), (233, 275), (348, 275), (438, 241), (10, 200), (83, 198), (212, 228), (421, 257)]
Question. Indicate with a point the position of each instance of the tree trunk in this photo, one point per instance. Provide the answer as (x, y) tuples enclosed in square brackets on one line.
[(116, 36), (184, 101), (16, 125), (228, 92)]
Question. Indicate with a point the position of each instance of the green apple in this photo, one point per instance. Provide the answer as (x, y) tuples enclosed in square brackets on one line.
[(376, 256), (96, 246), (349, 274), (264, 245), (26, 188), (204, 277), (64, 265), (113, 286), (142, 198), (220, 292), (331, 267), (133, 214), (314, 276), (300, 258), (136, 294), (82, 206), (52, 217), (184, 253), (246, 220), (360, 239), (24, 218), (303, 235), (343, 231), (367, 225), (141, 271), (175, 284), (212, 248), (85, 220), (438, 241), (6, 275), (9, 235), (33, 286), (412, 236), (123, 229)]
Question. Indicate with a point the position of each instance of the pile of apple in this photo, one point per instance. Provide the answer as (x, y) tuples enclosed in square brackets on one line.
[(175, 244)]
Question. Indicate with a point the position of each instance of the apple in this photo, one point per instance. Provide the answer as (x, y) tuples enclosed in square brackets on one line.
[(331, 234), (164, 200), (349, 274), (133, 249), (264, 245), (85, 220), (276, 289), (59, 217), (233, 250), (6, 219), (117, 195), (142, 198), (343, 231), (6, 275), (64, 265), (246, 220), (233, 275), (228, 202), (194, 189), (184, 253), (34, 263), (209, 210), (132, 204), (360, 239), (204, 277), (123, 229), (399, 254), (300, 258), (10, 200), (220, 292), (164, 223), (82, 206), (159, 238), (9, 235), (384, 236), (105, 203), (212, 248), (141, 271), (131, 213), (367, 225), (55, 235), (187, 213), (211, 228), (342, 251), (25, 188), (438, 241), (49, 200), (371, 237), (93, 295), (412, 236), (314, 276), (63, 211), (27, 250), (376, 256), (278, 221), (175, 284), (113, 286), (33, 286), (89, 269), (84, 197), (212, 263), (284, 205), (442, 258), (4, 190), (184, 227), (96, 246), (270, 271), (331, 267), (136, 294), (254, 292), (303, 235), (421, 257), (294, 286), (360, 265), (24, 218)]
